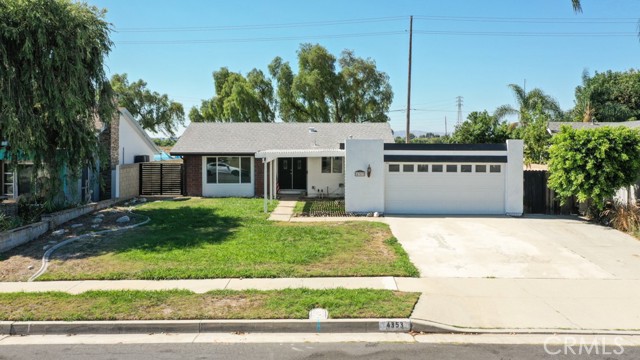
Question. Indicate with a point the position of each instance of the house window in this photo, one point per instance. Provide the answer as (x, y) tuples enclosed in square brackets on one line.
[(494, 168), (228, 170), (436, 168), (7, 181), (332, 165), (481, 168), (423, 168), (394, 167), (337, 165), (407, 168), (452, 168), (465, 168), (25, 179)]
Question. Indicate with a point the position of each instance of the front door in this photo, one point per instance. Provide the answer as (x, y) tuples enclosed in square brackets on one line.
[(292, 173)]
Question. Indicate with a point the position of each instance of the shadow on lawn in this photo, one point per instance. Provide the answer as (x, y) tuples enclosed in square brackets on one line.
[(169, 229)]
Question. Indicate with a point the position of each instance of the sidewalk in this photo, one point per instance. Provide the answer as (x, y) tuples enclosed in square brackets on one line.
[(462, 304)]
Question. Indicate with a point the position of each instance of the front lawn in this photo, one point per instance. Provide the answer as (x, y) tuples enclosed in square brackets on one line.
[(320, 208), (220, 238), (220, 304)]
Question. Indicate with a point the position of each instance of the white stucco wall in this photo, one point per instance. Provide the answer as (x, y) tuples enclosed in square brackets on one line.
[(131, 142), (514, 186), (227, 190), (364, 194), (316, 179)]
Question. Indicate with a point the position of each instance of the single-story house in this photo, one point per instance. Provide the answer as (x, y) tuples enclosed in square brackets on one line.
[(357, 161), (554, 126)]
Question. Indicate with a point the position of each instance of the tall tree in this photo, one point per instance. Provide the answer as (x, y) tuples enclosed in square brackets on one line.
[(320, 92), (238, 99), (52, 83), (154, 111), (528, 102), (480, 128), (607, 97)]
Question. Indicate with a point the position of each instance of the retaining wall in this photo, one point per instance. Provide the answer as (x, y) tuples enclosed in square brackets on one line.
[(16, 237)]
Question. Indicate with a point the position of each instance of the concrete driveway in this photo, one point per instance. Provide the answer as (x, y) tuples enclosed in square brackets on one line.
[(534, 247)]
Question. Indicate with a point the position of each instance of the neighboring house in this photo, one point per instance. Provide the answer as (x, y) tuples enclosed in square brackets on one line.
[(357, 161), (125, 140), (128, 143), (554, 126)]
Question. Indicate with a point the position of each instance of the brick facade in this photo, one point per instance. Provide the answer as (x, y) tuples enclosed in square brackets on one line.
[(258, 178), (193, 174), (110, 141)]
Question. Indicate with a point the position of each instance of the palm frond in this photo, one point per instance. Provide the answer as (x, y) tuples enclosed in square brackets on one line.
[(577, 7), (503, 111)]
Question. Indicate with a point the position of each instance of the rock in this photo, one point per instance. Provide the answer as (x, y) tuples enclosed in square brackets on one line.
[(376, 214), (100, 215), (133, 201), (369, 214), (58, 232), (143, 200), (95, 226), (73, 226), (52, 242), (30, 267), (46, 247), (97, 220), (123, 219), (126, 204)]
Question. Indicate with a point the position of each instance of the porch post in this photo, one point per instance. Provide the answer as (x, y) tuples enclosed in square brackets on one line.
[(264, 183), (271, 177)]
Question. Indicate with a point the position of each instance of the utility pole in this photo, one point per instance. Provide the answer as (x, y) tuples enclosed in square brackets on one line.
[(445, 126), (408, 139), (459, 103)]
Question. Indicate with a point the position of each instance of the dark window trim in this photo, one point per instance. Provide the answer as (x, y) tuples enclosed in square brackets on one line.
[(446, 158), (447, 147), (253, 155)]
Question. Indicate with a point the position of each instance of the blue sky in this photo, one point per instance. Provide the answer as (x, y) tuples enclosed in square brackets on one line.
[(466, 48)]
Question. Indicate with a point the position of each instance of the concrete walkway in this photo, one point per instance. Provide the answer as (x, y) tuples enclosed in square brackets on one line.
[(284, 210), (473, 303)]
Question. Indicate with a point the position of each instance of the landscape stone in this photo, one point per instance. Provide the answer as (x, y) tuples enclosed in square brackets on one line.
[(123, 219), (58, 232), (97, 220), (76, 225)]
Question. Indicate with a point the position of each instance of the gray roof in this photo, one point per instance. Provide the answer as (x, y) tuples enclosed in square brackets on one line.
[(220, 138), (554, 126)]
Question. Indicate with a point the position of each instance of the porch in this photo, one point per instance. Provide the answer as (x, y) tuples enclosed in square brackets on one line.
[(316, 172)]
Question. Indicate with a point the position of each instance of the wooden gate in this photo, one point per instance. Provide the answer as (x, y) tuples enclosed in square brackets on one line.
[(157, 178), (539, 199)]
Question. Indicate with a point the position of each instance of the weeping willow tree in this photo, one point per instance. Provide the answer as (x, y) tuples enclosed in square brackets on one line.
[(53, 85)]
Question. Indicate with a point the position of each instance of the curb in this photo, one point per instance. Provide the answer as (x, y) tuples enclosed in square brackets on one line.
[(426, 326), (200, 326), (22, 328)]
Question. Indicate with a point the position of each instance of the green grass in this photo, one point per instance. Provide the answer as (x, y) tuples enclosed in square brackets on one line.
[(220, 238), (221, 304)]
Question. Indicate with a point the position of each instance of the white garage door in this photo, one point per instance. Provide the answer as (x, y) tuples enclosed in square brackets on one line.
[(413, 188)]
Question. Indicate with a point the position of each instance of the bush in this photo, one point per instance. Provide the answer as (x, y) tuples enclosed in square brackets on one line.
[(621, 216)]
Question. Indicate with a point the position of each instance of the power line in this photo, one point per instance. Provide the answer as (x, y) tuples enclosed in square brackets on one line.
[(526, 34), (257, 39), (526, 20), (260, 26)]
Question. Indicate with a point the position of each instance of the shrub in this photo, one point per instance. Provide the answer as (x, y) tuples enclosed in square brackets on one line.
[(621, 216)]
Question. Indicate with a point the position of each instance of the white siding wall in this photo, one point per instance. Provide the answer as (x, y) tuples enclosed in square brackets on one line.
[(131, 143), (316, 179), (227, 190), (364, 194)]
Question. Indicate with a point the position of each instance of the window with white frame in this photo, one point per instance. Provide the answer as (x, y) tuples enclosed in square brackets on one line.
[(332, 165), (228, 170)]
